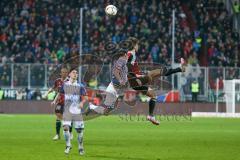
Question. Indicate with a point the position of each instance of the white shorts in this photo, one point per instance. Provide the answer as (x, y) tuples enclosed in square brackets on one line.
[(68, 118), (76, 124), (112, 94)]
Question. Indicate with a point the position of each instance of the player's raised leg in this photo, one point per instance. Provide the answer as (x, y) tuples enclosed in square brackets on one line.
[(117, 84), (109, 103), (164, 71)]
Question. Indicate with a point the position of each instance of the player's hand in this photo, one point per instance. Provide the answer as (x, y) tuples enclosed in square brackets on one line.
[(44, 96), (81, 105), (53, 103), (139, 75)]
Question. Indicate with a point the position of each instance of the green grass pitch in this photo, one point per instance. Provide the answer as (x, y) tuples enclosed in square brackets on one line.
[(29, 137)]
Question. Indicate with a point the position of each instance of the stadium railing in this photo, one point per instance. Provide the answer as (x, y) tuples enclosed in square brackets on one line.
[(35, 76)]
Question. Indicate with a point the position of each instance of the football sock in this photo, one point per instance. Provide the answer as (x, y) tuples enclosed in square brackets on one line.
[(58, 126), (172, 71), (70, 128), (80, 140), (151, 106), (67, 138)]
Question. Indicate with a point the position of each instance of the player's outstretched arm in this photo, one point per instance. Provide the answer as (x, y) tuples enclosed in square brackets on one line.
[(84, 100), (54, 102), (46, 94)]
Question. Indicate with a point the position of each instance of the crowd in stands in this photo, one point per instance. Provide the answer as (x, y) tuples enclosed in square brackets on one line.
[(48, 31), (23, 94), (221, 40)]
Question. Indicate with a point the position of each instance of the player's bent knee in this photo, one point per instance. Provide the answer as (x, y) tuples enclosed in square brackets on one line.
[(59, 116), (149, 78), (152, 74), (79, 130), (66, 128), (153, 99), (151, 93)]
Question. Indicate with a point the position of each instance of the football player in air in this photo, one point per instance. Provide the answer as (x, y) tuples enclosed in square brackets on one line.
[(140, 81)]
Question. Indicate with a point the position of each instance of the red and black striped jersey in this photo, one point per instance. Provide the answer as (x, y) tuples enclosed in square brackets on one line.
[(133, 67), (57, 86)]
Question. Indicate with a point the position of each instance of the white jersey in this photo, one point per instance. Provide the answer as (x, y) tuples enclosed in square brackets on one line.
[(72, 96), (121, 65), (112, 94)]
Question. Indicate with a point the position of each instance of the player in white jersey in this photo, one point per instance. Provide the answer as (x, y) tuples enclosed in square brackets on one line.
[(74, 99), (117, 85), (59, 101)]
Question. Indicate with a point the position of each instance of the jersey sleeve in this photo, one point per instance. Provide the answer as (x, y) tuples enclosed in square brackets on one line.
[(132, 65), (61, 89), (83, 91), (129, 64), (130, 57), (119, 64)]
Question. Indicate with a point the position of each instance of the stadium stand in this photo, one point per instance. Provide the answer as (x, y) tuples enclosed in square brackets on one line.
[(47, 31)]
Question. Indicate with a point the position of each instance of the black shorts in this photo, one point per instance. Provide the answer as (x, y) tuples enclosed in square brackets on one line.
[(142, 89), (59, 108), (134, 84)]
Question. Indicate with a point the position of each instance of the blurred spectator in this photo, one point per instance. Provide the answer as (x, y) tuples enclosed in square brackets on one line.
[(48, 31), (1, 94), (37, 95), (93, 83), (193, 60), (216, 24), (51, 96), (19, 94), (195, 90), (5, 75), (155, 53), (236, 7), (28, 94)]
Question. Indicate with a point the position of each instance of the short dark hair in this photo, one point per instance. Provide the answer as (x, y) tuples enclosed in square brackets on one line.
[(74, 68), (122, 51), (134, 41), (119, 53)]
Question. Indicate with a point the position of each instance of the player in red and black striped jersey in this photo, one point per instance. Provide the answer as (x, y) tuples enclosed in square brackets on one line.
[(57, 86), (140, 81), (59, 107)]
